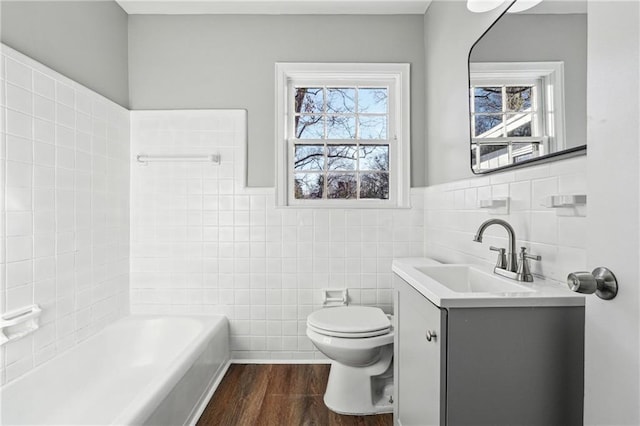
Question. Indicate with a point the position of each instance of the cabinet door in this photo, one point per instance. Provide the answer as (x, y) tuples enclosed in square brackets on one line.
[(419, 360)]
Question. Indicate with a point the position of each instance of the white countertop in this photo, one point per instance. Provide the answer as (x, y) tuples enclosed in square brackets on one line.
[(542, 292)]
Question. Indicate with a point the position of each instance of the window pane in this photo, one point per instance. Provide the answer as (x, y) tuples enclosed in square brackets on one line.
[(308, 185), (486, 123), (374, 157), (519, 124), (374, 185), (372, 100), (341, 157), (309, 99), (518, 98), (488, 99), (341, 185), (341, 127), (309, 157), (341, 100), (309, 127), (373, 127)]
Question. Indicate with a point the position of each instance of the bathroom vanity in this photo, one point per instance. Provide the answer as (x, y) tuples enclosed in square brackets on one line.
[(472, 348)]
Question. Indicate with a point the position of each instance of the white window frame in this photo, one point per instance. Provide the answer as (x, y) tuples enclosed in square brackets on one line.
[(550, 79), (396, 76)]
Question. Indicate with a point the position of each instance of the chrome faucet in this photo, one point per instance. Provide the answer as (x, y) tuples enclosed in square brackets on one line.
[(512, 261), (511, 265)]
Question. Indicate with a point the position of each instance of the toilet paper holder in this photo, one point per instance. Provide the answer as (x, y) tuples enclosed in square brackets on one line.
[(335, 297)]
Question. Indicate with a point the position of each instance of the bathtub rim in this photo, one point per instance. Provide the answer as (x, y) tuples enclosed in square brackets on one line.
[(140, 408), (154, 392)]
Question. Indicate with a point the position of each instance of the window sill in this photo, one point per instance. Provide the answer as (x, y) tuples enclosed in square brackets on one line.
[(345, 205)]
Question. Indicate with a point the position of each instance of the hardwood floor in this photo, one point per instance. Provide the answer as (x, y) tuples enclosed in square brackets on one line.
[(277, 395)]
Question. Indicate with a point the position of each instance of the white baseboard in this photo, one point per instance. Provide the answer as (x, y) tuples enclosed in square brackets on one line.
[(279, 361)]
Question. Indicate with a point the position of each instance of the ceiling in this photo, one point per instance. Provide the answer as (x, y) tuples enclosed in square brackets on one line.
[(313, 7), (274, 7), (559, 7)]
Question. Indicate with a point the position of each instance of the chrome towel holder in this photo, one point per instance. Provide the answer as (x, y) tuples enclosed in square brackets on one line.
[(145, 159)]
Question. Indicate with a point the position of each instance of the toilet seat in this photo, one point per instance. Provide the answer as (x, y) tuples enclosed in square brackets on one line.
[(332, 333), (350, 322)]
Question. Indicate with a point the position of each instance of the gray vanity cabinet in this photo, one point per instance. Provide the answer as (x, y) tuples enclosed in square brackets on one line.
[(421, 360), (486, 366)]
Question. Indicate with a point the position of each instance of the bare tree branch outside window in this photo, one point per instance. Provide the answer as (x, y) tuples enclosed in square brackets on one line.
[(338, 170), (501, 112)]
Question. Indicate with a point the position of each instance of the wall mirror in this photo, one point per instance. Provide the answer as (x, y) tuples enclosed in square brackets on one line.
[(528, 87)]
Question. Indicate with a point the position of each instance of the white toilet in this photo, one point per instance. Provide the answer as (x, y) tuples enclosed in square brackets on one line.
[(359, 341)]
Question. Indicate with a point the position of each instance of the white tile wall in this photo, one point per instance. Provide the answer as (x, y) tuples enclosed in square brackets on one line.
[(65, 209), (558, 235), (202, 243)]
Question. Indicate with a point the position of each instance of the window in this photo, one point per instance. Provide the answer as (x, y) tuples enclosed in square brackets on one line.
[(516, 112), (343, 135)]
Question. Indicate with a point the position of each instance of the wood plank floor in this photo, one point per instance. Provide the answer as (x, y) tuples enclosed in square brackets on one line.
[(277, 395)]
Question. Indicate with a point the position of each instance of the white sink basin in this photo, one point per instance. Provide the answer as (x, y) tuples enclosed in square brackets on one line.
[(476, 286), (467, 279)]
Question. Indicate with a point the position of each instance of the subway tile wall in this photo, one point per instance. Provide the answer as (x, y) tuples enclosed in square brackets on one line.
[(65, 209), (452, 217), (203, 243)]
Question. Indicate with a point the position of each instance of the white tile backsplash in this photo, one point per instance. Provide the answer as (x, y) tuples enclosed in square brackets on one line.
[(65, 210), (451, 220), (203, 243)]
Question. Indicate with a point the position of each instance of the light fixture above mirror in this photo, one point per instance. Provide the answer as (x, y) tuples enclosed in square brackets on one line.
[(480, 6)]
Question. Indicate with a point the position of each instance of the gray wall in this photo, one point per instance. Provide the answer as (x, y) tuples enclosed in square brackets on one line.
[(546, 38), (449, 32), (227, 61), (84, 40)]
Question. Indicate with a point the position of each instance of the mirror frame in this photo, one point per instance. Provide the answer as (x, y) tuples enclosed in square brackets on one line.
[(555, 156)]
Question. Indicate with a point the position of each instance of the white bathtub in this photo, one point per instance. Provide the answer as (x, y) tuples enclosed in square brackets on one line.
[(138, 370)]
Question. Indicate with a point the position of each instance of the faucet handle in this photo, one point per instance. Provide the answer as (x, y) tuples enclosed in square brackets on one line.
[(502, 258), (524, 255), (524, 273)]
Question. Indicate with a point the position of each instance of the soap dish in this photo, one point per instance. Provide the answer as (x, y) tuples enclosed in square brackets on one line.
[(19, 323)]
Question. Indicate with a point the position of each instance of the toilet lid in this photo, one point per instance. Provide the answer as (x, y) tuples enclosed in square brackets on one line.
[(350, 320)]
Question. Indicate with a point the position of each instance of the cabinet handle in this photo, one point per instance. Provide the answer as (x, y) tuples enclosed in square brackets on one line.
[(431, 335)]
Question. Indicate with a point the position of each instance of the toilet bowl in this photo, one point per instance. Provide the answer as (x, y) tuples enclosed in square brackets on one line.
[(359, 342)]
